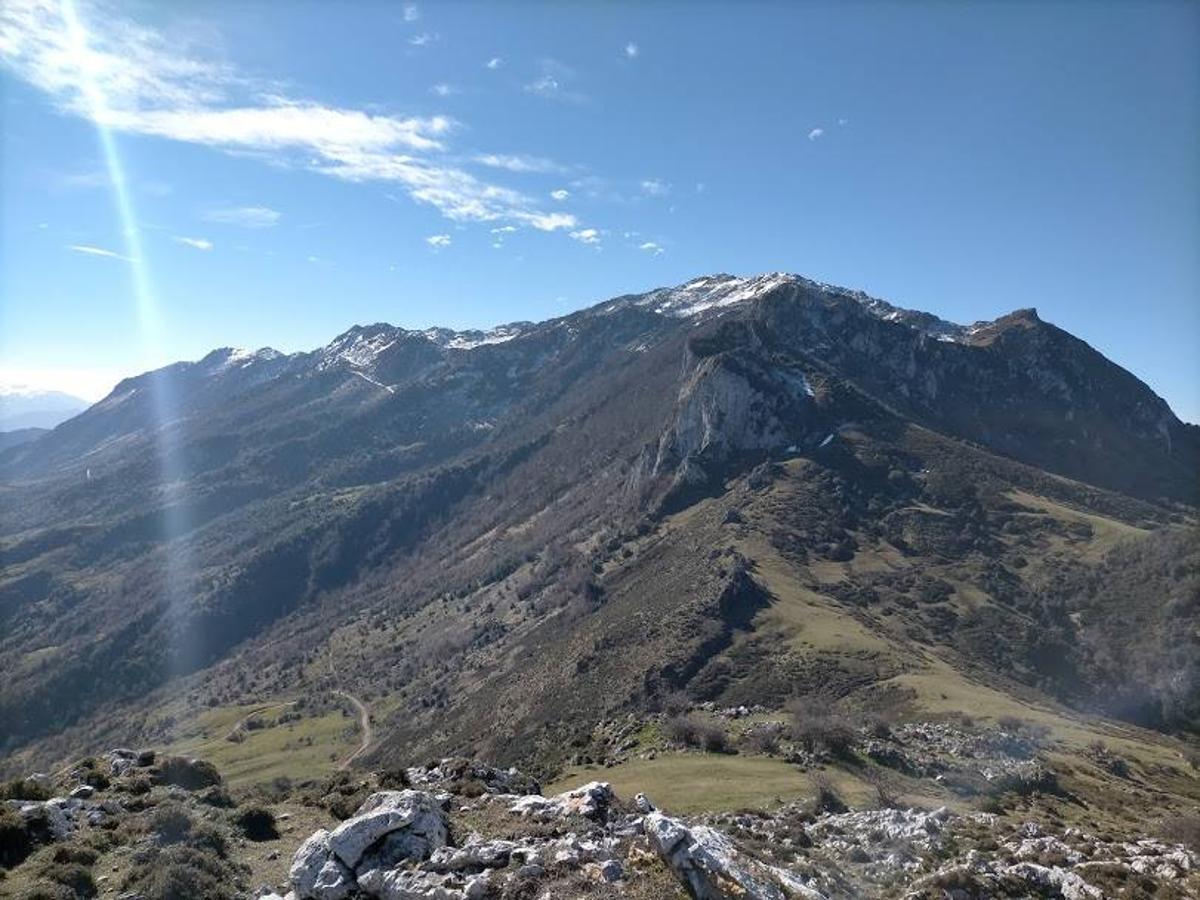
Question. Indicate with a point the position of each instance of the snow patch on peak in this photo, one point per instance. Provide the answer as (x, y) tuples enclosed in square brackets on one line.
[(713, 292), (360, 346), (500, 335), (227, 358), (469, 340)]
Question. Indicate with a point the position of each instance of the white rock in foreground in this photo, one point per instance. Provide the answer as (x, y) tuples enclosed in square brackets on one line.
[(714, 869), (590, 801), (385, 812)]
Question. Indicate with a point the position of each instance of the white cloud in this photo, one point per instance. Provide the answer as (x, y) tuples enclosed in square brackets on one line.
[(650, 247), (244, 216), (631, 50), (504, 229), (130, 79), (655, 188), (89, 250), (586, 236), (494, 63), (560, 195), (411, 12), (441, 89), (197, 243), (518, 162), (816, 133), (843, 121), (554, 83), (437, 241), (422, 39)]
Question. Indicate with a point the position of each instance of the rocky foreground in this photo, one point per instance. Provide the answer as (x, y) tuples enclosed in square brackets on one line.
[(132, 826)]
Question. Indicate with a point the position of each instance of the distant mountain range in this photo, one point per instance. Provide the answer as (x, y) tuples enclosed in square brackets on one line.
[(501, 536), (24, 407)]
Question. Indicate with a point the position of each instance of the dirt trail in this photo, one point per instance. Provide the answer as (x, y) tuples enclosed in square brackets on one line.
[(364, 723), (364, 718)]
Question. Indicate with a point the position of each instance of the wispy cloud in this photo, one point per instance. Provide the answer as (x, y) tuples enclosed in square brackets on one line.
[(131, 79), (650, 247), (197, 243), (437, 241), (89, 250), (441, 89), (586, 236), (244, 216), (816, 134), (423, 39), (554, 83), (653, 187), (411, 12), (560, 195), (494, 63), (632, 50), (519, 162), (843, 121)]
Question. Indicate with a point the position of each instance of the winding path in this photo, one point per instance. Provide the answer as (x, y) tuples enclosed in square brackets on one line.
[(364, 722)]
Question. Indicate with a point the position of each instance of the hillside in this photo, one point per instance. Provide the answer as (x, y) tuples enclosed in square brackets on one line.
[(732, 492)]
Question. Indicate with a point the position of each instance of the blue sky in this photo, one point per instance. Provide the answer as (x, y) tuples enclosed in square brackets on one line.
[(293, 169)]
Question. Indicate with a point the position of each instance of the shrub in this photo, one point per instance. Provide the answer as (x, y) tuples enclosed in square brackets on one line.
[(73, 876), (818, 727), (189, 774), (182, 873), (826, 799), (171, 823), (257, 823), (23, 789), (16, 842), (1182, 830), (764, 739), (694, 733)]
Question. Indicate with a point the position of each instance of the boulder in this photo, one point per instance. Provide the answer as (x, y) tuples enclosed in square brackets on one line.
[(415, 815), (712, 868), (412, 884), (591, 801), (316, 874), (474, 855)]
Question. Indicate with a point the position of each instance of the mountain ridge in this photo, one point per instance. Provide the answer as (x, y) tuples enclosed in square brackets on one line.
[(476, 504)]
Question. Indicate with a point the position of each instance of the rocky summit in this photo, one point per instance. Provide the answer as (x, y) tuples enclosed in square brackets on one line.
[(746, 587)]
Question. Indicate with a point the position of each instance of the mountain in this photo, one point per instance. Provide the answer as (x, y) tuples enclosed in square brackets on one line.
[(737, 490), (24, 407), (19, 436)]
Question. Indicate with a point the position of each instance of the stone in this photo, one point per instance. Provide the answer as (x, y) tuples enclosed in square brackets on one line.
[(591, 801), (316, 874), (474, 854), (712, 868), (416, 813), (611, 870)]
